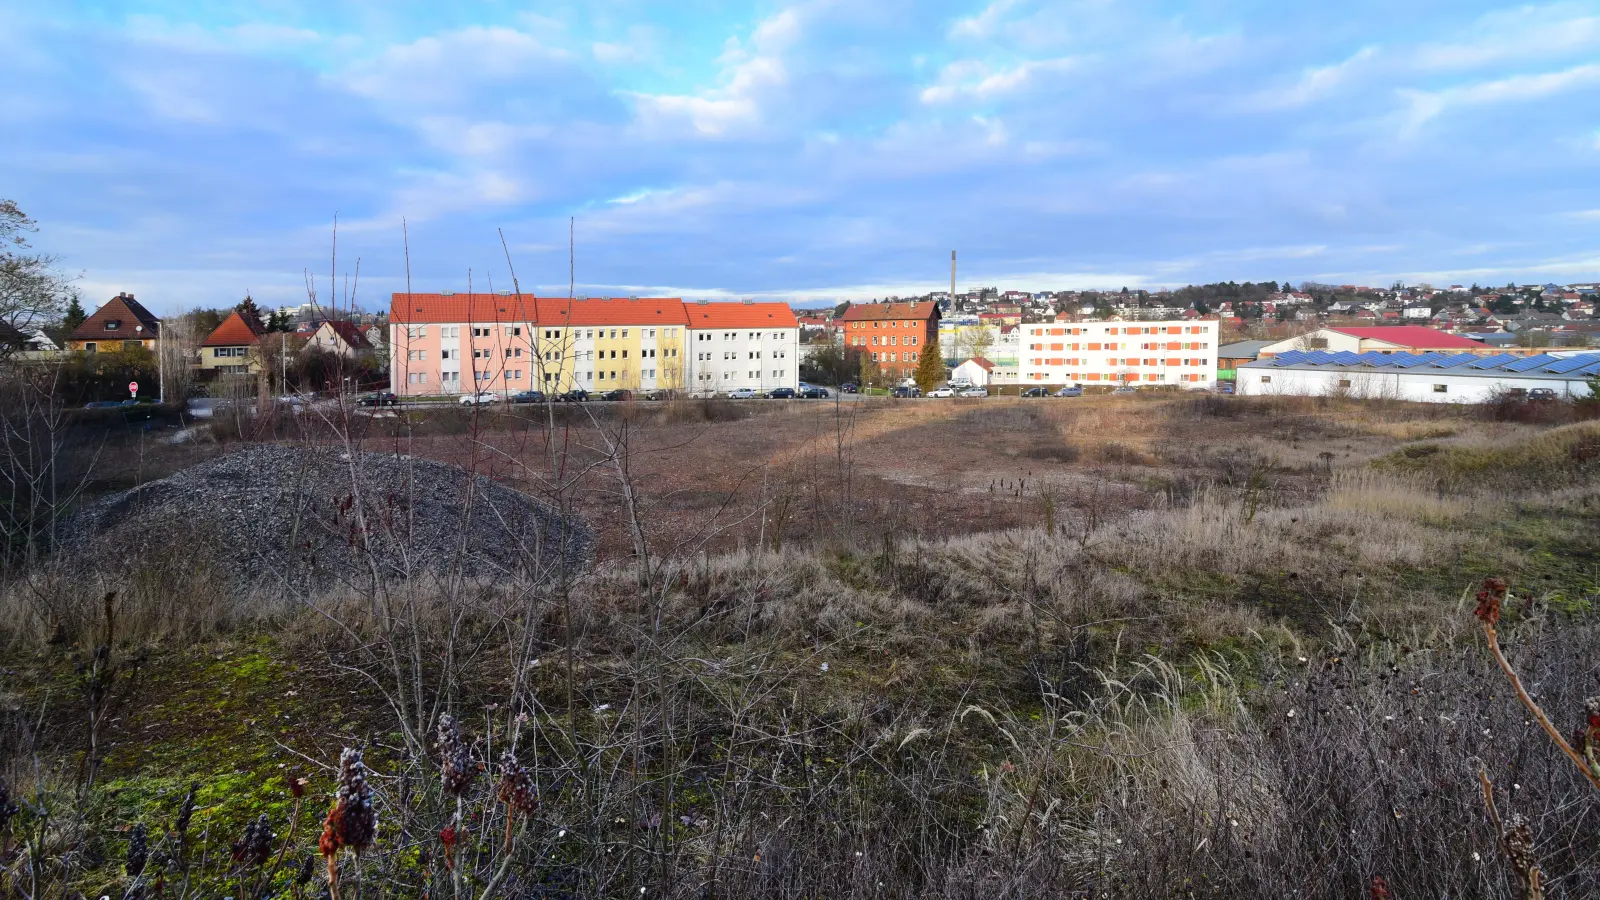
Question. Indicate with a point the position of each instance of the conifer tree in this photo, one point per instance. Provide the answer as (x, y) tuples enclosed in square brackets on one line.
[(930, 367)]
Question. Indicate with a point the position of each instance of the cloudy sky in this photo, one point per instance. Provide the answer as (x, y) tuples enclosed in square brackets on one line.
[(192, 150)]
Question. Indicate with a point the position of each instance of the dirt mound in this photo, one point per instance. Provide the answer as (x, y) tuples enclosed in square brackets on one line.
[(289, 516)]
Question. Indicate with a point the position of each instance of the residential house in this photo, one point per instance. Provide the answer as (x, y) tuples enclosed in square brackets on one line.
[(122, 323), (340, 337), (894, 334), (233, 347), (976, 371)]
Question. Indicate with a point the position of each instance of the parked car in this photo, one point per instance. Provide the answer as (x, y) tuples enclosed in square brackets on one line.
[(1125, 390), (813, 392), (946, 391), (381, 398), (479, 398), (849, 387), (205, 407), (742, 394), (1542, 394), (974, 392), (576, 395), (103, 404), (1224, 387), (618, 394), (781, 394), (1036, 392), (528, 397), (1071, 390), (660, 394), (906, 392)]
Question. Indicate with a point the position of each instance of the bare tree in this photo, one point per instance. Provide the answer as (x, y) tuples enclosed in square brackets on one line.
[(33, 291)]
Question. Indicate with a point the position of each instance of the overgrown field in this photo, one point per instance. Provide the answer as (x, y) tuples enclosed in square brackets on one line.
[(1170, 647)]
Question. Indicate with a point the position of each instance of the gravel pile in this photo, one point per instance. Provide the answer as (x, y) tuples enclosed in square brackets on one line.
[(273, 515)]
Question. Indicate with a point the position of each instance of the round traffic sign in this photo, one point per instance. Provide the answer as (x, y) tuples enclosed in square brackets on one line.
[(133, 388)]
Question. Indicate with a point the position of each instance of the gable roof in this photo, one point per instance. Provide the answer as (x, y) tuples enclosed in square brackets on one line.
[(352, 334), (880, 312), (981, 363), (447, 308), (235, 331), (1410, 336), (741, 315), (132, 322), (412, 308), (1241, 349)]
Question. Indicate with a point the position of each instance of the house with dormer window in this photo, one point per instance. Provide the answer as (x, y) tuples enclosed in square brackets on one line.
[(121, 324)]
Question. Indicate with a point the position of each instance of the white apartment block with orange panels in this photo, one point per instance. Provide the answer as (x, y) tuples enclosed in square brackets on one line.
[(1134, 353)]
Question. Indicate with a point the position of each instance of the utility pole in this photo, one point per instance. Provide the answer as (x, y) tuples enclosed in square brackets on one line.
[(161, 361), (952, 279)]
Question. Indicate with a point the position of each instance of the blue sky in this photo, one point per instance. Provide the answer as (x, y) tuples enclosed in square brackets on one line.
[(190, 151)]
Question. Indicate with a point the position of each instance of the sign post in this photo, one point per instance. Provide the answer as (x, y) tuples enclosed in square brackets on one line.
[(133, 389)]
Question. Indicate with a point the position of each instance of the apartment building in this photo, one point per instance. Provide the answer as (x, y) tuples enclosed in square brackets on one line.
[(894, 334), (742, 345), (450, 343), (1133, 353)]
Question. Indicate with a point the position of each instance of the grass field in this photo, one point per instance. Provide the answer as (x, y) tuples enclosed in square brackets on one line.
[(1171, 646)]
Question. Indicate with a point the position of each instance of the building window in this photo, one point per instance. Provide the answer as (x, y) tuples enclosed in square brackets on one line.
[(1441, 389), (1344, 382), (1266, 379)]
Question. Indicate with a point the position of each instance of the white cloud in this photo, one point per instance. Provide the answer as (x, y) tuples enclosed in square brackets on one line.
[(641, 44), (753, 75), (973, 79), (1314, 84), (1424, 106), (445, 68), (1527, 32), (1585, 215), (985, 22)]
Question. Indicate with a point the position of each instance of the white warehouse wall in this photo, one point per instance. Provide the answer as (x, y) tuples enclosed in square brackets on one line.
[(1420, 386)]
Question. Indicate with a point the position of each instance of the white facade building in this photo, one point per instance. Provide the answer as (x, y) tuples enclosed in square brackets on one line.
[(1427, 378), (1135, 353), (742, 345)]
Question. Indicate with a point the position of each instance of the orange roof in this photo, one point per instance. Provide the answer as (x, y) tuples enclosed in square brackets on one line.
[(561, 311), (741, 315), (869, 312), (235, 331), (407, 308)]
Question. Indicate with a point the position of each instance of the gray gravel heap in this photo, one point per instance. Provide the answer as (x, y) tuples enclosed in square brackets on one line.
[(273, 515)]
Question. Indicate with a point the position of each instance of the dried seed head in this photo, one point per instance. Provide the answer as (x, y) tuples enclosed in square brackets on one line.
[(1518, 840), (516, 786), (185, 812), (352, 822), (138, 850), (456, 770), (8, 806), (256, 846), (1489, 600)]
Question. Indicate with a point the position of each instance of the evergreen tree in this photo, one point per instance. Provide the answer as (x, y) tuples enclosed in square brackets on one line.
[(74, 315), (930, 366), (247, 308)]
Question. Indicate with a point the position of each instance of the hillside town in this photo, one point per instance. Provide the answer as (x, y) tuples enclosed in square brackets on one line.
[(492, 347)]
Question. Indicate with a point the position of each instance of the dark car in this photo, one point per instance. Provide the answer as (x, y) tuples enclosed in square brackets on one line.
[(618, 394), (812, 392), (381, 398), (906, 392), (528, 397), (660, 394), (1542, 395), (578, 395), (1036, 392), (849, 387), (781, 394)]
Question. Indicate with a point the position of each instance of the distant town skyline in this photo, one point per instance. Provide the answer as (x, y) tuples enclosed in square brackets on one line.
[(811, 151)]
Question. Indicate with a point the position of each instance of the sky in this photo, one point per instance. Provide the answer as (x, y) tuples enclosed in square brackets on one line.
[(191, 152)]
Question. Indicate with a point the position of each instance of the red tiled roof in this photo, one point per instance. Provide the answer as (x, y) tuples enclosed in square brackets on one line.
[(407, 309), (560, 311), (127, 312), (983, 363), (235, 331), (878, 312), (741, 315), (1411, 336), (352, 334)]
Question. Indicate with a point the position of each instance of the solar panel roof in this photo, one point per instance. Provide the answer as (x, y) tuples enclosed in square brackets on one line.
[(1570, 364), (1495, 361), (1531, 362), (1450, 362)]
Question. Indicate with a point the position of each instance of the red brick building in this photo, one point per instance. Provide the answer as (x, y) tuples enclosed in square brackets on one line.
[(892, 334)]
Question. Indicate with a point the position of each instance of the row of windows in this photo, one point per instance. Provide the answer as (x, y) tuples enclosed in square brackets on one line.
[(1127, 361), (1122, 377), (908, 356), (887, 340), (225, 352), (1131, 329), (734, 335), (914, 323), (516, 353), (415, 332), (1158, 345), (726, 376)]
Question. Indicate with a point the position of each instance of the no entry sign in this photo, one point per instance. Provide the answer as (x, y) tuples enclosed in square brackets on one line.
[(133, 388)]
